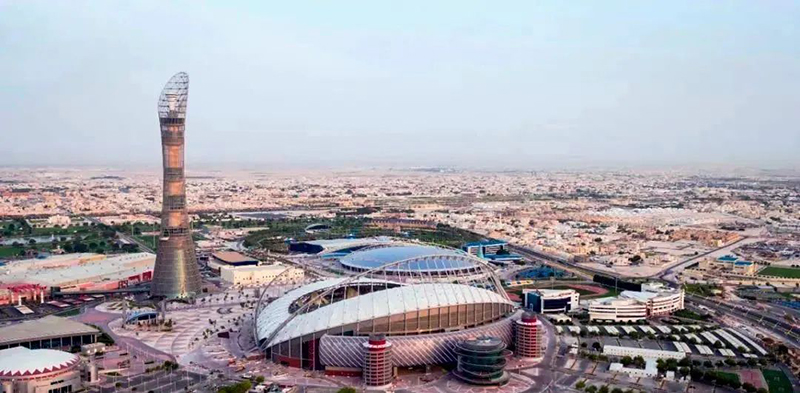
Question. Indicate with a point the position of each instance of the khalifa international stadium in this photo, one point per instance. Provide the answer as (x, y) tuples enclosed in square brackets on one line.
[(420, 301)]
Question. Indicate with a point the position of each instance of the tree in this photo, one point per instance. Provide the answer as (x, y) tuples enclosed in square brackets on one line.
[(684, 371), (626, 361), (597, 346), (603, 389), (762, 390), (708, 364), (260, 379), (346, 390), (591, 389), (748, 387), (616, 390), (580, 385)]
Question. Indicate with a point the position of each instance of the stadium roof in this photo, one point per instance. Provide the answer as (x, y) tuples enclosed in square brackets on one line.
[(21, 361), (42, 328), (332, 245), (420, 258), (398, 300)]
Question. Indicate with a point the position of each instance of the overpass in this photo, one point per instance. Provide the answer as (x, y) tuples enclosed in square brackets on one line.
[(555, 261)]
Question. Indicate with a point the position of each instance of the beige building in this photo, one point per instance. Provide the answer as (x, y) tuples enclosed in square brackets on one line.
[(260, 275), (728, 264)]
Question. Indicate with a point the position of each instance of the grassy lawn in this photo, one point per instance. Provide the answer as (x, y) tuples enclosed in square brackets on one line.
[(778, 381), (9, 251), (789, 272), (701, 289)]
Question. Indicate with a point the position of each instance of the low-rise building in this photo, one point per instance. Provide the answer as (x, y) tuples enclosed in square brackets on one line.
[(630, 306), (495, 251), (613, 350), (731, 264), (551, 301), (260, 275), (650, 369), (617, 309), (47, 332), (222, 259)]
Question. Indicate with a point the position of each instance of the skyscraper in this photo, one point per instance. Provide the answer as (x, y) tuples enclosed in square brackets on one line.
[(176, 274)]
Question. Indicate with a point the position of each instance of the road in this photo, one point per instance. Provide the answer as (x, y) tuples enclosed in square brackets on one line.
[(670, 273), (102, 319)]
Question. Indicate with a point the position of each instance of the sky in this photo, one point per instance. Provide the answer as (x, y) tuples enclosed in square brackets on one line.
[(472, 84)]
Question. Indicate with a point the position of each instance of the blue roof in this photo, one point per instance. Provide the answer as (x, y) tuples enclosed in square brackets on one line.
[(743, 263), (439, 258), (491, 242), (727, 258)]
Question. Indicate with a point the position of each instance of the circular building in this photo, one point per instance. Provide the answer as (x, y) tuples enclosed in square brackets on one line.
[(423, 299), (412, 260), (482, 361), (33, 370)]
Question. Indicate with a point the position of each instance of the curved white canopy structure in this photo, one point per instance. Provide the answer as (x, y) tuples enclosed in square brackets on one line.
[(399, 299)]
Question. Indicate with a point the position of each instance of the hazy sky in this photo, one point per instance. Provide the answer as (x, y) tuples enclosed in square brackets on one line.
[(477, 84)]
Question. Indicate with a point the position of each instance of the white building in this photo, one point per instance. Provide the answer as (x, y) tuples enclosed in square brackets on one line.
[(613, 350), (24, 370), (650, 369), (260, 275), (617, 309), (629, 306)]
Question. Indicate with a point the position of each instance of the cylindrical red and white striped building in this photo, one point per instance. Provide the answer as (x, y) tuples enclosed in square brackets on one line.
[(528, 337), (377, 370)]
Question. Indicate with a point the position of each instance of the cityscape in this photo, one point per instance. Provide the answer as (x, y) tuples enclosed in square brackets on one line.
[(183, 274)]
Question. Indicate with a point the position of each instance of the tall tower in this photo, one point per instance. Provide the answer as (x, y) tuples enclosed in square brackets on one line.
[(176, 274)]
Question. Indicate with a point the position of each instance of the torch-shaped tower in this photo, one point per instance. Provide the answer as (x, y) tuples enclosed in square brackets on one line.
[(176, 274)]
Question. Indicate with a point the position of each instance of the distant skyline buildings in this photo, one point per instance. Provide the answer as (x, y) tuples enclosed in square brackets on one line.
[(521, 85)]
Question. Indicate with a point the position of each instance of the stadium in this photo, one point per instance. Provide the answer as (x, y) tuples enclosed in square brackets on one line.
[(423, 299)]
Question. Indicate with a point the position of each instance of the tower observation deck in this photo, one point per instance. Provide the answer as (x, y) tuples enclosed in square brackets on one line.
[(176, 274)]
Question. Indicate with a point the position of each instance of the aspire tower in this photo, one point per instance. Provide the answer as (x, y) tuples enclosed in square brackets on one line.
[(176, 274)]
